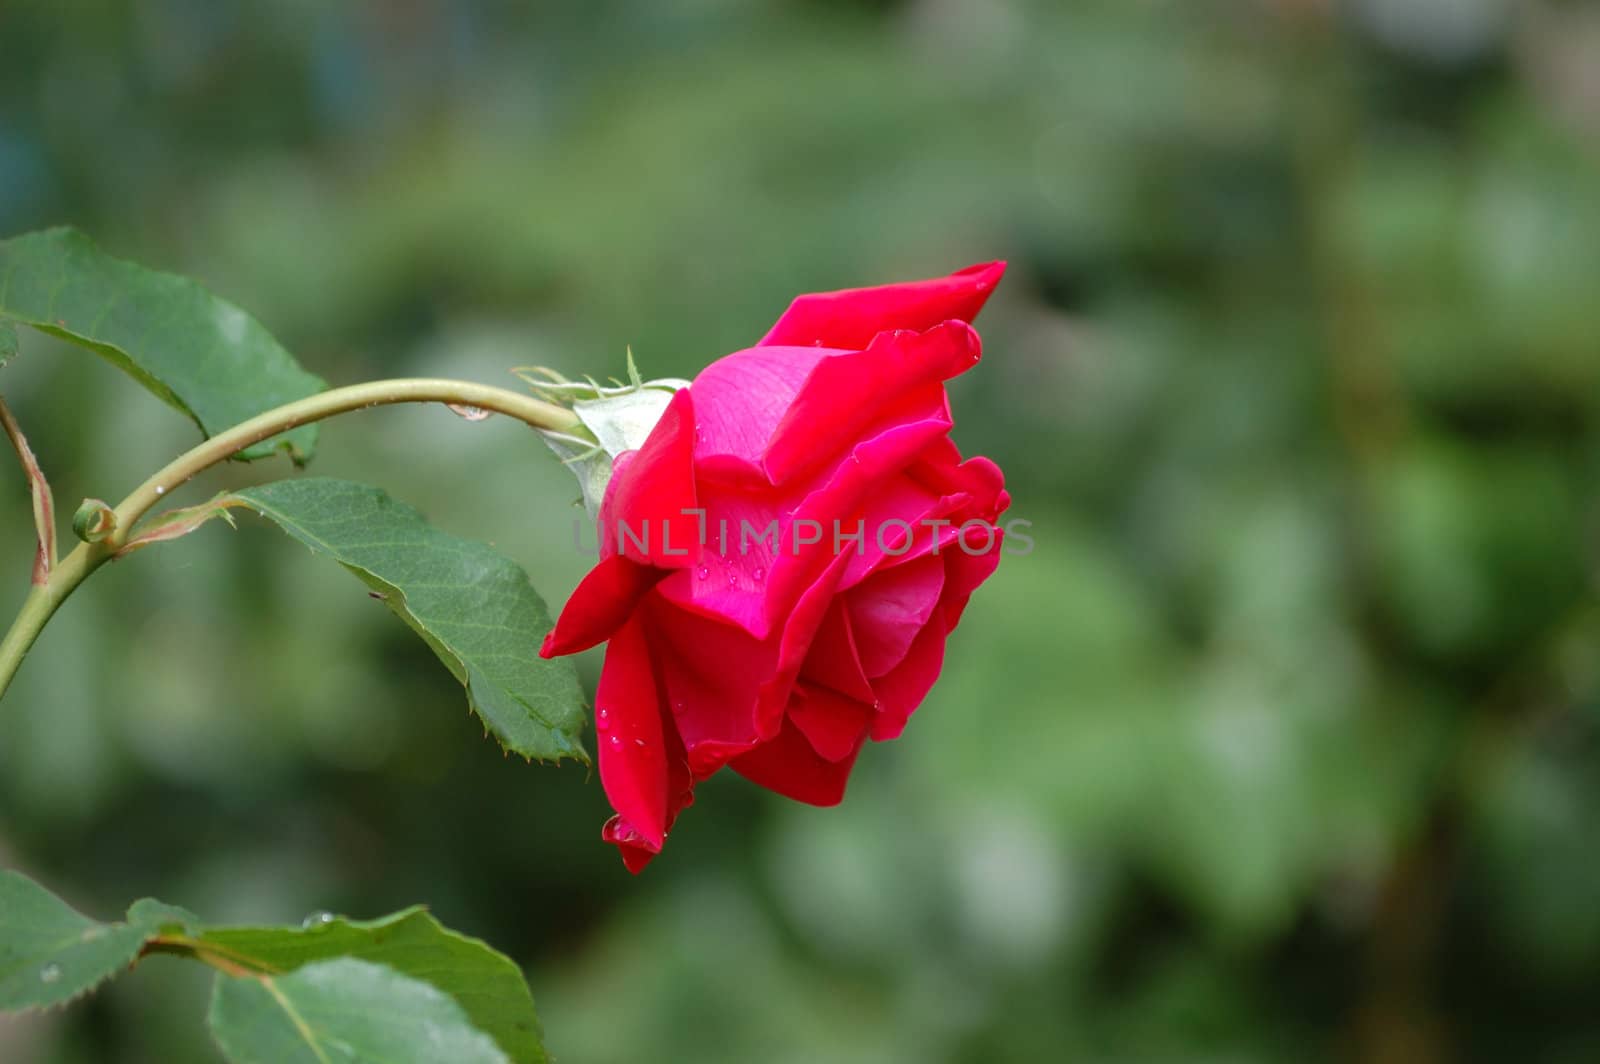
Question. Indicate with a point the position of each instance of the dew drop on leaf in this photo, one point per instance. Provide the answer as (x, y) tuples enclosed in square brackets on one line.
[(50, 973), (317, 919)]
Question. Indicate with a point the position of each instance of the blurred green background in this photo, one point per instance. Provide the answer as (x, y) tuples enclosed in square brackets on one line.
[(1284, 744)]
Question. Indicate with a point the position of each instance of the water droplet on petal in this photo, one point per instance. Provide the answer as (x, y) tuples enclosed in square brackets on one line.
[(702, 572), (602, 719), (468, 411), (50, 973), (616, 742), (759, 575), (733, 580), (638, 743)]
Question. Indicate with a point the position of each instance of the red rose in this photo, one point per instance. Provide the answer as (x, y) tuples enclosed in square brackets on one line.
[(749, 625)]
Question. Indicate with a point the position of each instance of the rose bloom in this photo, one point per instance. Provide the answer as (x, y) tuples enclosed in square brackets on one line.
[(782, 559)]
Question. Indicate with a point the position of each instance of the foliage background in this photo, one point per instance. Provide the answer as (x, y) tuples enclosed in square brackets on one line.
[(1283, 744)]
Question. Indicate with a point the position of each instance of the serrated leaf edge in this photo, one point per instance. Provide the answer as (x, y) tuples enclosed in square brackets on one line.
[(394, 598)]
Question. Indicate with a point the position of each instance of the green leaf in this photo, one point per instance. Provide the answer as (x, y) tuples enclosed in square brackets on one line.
[(343, 1010), (489, 988), (474, 607), (158, 916), (199, 353), (8, 341), (51, 953)]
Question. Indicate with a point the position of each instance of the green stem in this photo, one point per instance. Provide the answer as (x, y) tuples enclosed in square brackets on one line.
[(41, 602), (44, 599)]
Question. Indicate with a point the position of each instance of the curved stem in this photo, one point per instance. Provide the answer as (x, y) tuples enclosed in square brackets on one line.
[(41, 602), (44, 599), (535, 412)]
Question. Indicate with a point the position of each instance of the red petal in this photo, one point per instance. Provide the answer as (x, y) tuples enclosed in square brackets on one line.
[(978, 478), (904, 687), (847, 392), (646, 514), (713, 674), (794, 644), (967, 568), (891, 607), (749, 583), (731, 581), (833, 659), (740, 398), (602, 602), (830, 510), (832, 724), (788, 765), (894, 500), (633, 757), (634, 855), (852, 317)]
